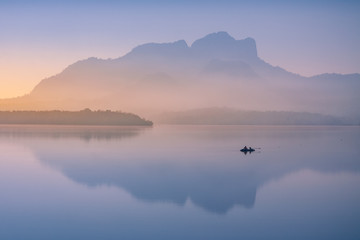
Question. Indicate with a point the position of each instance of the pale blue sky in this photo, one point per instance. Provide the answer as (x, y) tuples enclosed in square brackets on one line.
[(40, 38)]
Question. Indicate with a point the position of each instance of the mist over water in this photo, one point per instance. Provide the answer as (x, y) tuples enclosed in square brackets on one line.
[(179, 182)]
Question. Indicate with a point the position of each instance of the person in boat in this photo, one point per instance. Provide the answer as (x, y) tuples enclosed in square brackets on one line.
[(246, 149)]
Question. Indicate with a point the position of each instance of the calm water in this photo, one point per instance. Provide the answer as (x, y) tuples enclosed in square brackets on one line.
[(179, 182)]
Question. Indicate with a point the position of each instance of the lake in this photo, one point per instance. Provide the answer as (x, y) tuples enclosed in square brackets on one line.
[(179, 182)]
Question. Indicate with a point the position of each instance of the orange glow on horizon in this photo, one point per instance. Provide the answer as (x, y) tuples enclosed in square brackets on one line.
[(20, 72)]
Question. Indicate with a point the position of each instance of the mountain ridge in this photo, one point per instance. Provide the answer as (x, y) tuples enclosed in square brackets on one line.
[(229, 116), (214, 70)]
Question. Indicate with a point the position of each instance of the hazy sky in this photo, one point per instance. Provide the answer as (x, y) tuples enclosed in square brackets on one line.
[(40, 38)]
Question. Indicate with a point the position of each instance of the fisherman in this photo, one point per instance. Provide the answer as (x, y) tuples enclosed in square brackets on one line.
[(245, 148), (251, 149)]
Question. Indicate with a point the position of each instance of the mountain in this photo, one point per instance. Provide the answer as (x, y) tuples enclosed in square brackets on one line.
[(227, 116), (216, 70)]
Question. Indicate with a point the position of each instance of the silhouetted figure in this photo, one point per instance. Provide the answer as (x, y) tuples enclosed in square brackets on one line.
[(246, 150)]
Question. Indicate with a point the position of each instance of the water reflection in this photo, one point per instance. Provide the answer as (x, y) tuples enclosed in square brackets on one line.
[(197, 163), (86, 133)]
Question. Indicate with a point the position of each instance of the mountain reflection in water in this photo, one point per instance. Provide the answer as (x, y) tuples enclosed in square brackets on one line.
[(199, 163)]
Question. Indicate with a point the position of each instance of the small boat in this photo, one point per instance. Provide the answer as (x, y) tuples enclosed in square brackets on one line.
[(245, 149)]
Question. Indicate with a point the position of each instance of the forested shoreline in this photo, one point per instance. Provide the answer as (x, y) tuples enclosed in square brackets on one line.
[(83, 117)]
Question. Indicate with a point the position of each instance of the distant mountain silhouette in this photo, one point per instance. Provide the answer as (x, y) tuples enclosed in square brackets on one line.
[(222, 46), (216, 70), (227, 116)]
